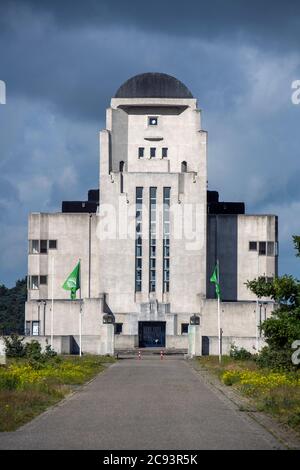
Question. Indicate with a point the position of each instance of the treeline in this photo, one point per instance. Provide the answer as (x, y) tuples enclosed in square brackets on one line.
[(12, 308)]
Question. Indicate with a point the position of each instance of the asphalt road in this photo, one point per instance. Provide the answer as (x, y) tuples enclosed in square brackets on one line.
[(147, 404)]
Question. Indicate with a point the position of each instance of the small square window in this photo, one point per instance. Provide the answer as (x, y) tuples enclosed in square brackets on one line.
[(152, 121), (141, 152), (34, 282), (118, 328), (34, 246), (43, 280), (52, 244), (262, 248), (152, 152), (252, 246), (44, 246), (164, 152), (184, 328)]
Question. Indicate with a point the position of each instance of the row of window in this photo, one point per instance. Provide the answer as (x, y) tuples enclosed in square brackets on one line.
[(34, 282), (152, 238), (264, 248), (153, 153), (42, 246)]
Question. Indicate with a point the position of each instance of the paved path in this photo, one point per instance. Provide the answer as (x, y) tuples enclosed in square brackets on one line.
[(147, 404)]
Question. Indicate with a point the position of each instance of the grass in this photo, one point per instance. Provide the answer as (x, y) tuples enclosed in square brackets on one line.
[(27, 389), (276, 393)]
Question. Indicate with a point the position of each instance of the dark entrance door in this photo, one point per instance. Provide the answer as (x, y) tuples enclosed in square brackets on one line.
[(152, 334)]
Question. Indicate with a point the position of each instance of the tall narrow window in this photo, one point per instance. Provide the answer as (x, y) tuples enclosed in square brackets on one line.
[(152, 152), (44, 246), (141, 152), (121, 168), (183, 167), (138, 239), (166, 240), (164, 152), (152, 238)]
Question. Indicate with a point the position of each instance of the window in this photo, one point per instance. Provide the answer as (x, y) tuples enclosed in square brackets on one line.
[(269, 279), (183, 167), (152, 152), (152, 237), (141, 152), (184, 328), (34, 246), (166, 239), (35, 328), (118, 328), (43, 280), (152, 120), (164, 152), (270, 248), (252, 246), (44, 246), (138, 240), (28, 328), (52, 244), (34, 282), (262, 248)]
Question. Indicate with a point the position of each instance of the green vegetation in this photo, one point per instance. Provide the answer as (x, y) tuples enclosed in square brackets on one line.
[(30, 384), (276, 393), (12, 308), (283, 327)]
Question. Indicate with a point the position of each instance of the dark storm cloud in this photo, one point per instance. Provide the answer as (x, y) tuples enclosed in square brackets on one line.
[(63, 60), (275, 21)]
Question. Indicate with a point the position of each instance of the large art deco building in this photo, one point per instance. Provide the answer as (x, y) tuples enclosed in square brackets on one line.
[(149, 238)]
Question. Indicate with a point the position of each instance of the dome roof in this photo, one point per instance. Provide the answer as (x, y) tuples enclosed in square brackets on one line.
[(153, 85)]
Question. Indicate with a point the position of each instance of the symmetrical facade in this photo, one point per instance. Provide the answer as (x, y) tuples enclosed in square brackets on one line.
[(149, 239)]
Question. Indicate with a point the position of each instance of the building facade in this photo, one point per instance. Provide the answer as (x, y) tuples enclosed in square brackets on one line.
[(149, 238)]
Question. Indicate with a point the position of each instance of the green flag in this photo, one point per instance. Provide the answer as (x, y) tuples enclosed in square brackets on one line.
[(72, 282), (215, 279)]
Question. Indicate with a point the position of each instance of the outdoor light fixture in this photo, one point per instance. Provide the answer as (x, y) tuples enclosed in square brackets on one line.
[(108, 318), (194, 320)]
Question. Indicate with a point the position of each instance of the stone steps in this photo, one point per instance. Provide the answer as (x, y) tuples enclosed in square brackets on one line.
[(149, 352)]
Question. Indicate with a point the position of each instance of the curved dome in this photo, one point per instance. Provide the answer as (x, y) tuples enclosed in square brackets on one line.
[(153, 85)]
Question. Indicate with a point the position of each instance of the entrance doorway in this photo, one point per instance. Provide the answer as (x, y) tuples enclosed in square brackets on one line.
[(152, 334)]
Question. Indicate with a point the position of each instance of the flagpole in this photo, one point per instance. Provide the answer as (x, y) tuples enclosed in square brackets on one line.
[(219, 317), (52, 302), (80, 311)]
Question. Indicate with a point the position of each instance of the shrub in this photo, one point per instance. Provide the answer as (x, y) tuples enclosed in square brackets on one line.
[(49, 352), (239, 353), (275, 359), (14, 346), (33, 351)]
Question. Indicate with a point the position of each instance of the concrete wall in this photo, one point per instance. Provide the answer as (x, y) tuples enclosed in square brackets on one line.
[(73, 242), (179, 129), (228, 238)]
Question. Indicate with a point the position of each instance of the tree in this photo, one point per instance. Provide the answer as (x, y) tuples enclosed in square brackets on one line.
[(12, 308)]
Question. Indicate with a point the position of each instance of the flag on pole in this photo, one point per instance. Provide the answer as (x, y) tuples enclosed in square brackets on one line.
[(215, 279), (72, 282)]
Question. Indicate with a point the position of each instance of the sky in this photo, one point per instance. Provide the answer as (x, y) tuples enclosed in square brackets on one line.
[(63, 60)]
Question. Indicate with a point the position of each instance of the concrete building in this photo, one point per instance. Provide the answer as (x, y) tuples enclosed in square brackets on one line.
[(149, 239)]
